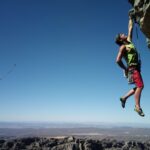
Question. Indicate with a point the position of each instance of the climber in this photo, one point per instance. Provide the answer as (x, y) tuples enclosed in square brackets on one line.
[(128, 52)]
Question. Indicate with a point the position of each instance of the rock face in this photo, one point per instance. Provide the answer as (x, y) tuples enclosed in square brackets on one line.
[(141, 13), (70, 143)]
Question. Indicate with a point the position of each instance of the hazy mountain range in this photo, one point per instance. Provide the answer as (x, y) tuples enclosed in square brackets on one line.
[(82, 130)]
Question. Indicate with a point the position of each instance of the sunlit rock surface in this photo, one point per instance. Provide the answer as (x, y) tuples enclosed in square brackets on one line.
[(141, 13), (70, 143)]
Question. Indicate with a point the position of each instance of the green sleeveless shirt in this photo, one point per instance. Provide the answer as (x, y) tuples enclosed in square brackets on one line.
[(131, 55)]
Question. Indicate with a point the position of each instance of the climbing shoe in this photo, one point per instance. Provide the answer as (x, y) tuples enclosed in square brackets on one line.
[(123, 102), (139, 111)]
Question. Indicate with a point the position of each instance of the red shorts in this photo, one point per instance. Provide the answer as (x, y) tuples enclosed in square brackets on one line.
[(137, 78)]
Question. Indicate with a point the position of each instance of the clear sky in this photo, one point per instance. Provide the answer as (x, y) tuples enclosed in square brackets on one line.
[(65, 54)]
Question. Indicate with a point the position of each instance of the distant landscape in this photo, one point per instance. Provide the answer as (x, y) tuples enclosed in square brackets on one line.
[(73, 136), (80, 130)]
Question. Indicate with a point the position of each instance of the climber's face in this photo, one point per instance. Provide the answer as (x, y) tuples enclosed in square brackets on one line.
[(123, 36)]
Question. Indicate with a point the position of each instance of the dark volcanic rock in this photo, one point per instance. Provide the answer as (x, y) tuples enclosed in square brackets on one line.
[(70, 143)]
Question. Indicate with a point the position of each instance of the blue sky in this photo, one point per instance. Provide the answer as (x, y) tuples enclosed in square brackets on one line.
[(65, 54)]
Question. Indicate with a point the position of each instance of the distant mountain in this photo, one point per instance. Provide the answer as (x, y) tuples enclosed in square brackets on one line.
[(124, 133), (73, 136), (69, 125)]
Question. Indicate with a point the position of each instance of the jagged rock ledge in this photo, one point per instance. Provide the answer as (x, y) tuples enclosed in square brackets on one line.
[(70, 143)]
